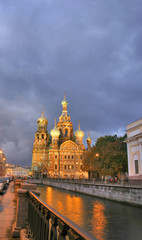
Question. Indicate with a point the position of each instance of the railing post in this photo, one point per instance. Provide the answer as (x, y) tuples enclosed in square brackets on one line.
[(63, 228), (53, 232), (22, 208), (73, 236)]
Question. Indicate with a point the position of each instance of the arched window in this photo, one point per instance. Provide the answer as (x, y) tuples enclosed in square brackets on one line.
[(136, 167), (136, 164), (66, 132), (61, 133)]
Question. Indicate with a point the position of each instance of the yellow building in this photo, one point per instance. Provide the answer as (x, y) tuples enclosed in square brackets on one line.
[(2, 163), (134, 149), (60, 153), (9, 169), (17, 170)]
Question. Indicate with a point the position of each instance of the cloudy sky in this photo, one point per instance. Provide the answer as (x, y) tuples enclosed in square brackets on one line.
[(89, 49)]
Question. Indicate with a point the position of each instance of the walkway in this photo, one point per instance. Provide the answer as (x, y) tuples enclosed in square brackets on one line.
[(7, 213)]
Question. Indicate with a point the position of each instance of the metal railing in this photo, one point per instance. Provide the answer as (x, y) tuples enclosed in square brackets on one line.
[(46, 223), (131, 183)]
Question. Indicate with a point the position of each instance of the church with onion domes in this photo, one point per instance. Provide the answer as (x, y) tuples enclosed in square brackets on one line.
[(58, 154)]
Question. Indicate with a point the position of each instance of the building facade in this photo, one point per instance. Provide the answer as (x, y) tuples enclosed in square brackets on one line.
[(134, 149), (20, 172), (2, 163), (17, 170), (60, 152)]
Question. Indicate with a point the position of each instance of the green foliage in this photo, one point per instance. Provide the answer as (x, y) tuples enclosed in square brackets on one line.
[(112, 157)]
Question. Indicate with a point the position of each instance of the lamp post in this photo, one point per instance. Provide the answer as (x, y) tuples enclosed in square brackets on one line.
[(97, 156)]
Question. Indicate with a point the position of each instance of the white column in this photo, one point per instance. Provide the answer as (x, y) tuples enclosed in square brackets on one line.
[(140, 149), (128, 156)]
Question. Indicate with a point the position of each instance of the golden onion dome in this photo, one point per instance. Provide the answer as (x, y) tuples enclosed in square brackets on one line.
[(55, 133), (89, 139), (79, 133), (42, 119)]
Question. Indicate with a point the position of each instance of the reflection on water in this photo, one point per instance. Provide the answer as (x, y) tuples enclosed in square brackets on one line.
[(99, 221), (106, 220)]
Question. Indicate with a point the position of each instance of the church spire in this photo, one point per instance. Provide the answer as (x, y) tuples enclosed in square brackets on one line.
[(42, 115), (79, 124), (55, 123)]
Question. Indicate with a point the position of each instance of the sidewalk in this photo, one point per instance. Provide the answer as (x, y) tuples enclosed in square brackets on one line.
[(7, 213)]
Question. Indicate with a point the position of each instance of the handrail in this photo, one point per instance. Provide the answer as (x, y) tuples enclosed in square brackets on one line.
[(45, 212)]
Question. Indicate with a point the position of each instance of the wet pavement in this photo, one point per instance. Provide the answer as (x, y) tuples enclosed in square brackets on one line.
[(7, 213)]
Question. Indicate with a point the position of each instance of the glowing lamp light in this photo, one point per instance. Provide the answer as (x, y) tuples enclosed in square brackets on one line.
[(97, 154)]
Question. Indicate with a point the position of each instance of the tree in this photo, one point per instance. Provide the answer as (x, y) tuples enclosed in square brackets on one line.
[(112, 156)]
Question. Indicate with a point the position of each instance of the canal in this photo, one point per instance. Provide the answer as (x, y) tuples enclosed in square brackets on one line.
[(104, 219)]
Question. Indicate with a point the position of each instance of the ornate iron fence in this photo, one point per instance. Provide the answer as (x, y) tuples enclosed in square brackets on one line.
[(46, 223)]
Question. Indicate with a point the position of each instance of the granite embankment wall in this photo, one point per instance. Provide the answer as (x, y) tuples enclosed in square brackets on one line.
[(121, 193)]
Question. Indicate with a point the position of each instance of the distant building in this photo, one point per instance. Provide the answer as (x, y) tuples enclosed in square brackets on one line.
[(20, 172), (9, 169), (60, 152), (17, 170), (134, 149), (2, 163)]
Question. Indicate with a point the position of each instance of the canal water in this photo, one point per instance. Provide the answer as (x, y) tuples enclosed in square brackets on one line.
[(104, 219)]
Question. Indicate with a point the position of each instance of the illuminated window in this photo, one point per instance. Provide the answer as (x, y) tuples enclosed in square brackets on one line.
[(69, 167), (136, 167), (55, 166)]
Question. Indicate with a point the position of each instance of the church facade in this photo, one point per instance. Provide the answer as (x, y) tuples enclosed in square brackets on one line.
[(60, 152)]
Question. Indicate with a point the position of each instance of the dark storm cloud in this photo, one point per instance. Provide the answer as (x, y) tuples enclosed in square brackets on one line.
[(89, 49)]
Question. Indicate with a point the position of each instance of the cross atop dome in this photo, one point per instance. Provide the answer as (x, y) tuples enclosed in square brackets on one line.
[(64, 104)]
